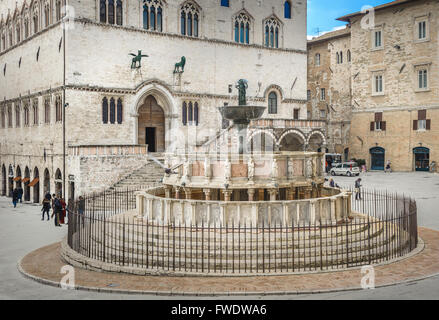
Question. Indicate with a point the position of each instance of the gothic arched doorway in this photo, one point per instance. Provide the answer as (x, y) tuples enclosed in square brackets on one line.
[(151, 125), (4, 179), (26, 182), (58, 183), (36, 185)]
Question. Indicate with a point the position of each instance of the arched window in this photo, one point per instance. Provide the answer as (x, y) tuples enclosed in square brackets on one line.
[(47, 110), (349, 55), (26, 115), (26, 28), (184, 114), (18, 32), (338, 58), (3, 118), (119, 12), (272, 103), (183, 23), (196, 113), (153, 15), (35, 111), (17, 116), (190, 114), (224, 3), (102, 11), (287, 10), (119, 111), (341, 56), (190, 19), (111, 12), (105, 110), (10, 117), (58, 109), (46, 15), (242, 28), (272, 29), (112, 111), (58, 10)]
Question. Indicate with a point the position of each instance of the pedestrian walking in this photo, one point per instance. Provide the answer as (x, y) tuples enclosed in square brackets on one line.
[(388, 167), (358, 189), (15, 197), (57, 210), (81, 208), (46, 208), (63, 211), (20, 194)]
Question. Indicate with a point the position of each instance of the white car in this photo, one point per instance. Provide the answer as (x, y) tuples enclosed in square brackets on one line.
[(345, 169)]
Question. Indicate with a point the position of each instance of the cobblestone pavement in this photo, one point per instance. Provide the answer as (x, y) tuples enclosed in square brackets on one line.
[(22, 231)]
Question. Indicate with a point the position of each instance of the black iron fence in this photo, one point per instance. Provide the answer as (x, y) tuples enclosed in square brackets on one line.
[(105, 227)]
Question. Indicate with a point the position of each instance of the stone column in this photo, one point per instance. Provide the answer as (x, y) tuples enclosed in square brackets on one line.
[(208, 194), (307, 192), (188, 193), (301, 193), (177, 193), (227, 195), (312, 211), (251, 194), (273, 193), (291, 193), (168, 192)]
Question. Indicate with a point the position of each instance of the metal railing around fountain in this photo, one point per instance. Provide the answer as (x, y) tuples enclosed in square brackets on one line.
[(104, 232)]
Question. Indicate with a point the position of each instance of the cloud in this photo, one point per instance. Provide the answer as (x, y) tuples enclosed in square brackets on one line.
[(309, 37)]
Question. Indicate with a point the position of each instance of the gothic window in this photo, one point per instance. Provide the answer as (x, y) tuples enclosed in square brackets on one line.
[(119, 111), (153, 15), (3, 118), (47, 110), (102, 11), (272, 103), (190, 19), (105, 110), (272, 30), (26, 115), (18, 32), (111, 12), (184, 114), (58, 109), (11, 39), (35, 19), (242, 28), (58, 10), (196, 113), (112, 110), (26, 29), (287, 9), (46, 15), (10, 117), (17, 116), (349, 56), (190, 113), (35, 111)]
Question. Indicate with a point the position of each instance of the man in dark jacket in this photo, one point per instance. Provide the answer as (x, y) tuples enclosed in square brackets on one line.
[(57, 210), (358, 189), (20, 194), (15, 197)]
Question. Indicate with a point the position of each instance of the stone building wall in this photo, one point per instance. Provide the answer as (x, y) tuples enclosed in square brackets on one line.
[(401, 57), (335, 78)]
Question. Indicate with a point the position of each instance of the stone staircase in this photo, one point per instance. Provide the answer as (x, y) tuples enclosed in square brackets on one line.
[(240, 251), (150, 174)]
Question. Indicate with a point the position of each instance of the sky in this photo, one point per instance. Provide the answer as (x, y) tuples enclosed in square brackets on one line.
[(322, 13)]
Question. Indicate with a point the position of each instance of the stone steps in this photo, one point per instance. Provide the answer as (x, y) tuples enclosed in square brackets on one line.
[(149, 174)]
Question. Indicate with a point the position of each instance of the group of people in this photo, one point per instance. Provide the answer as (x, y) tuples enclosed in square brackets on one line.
[(358, 186), (17, 196), (58, 206)]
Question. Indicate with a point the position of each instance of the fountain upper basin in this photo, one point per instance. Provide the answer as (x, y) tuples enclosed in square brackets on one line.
[(242, 114)]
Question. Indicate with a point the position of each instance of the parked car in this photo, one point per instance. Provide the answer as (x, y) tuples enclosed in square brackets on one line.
[(345, 169)]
